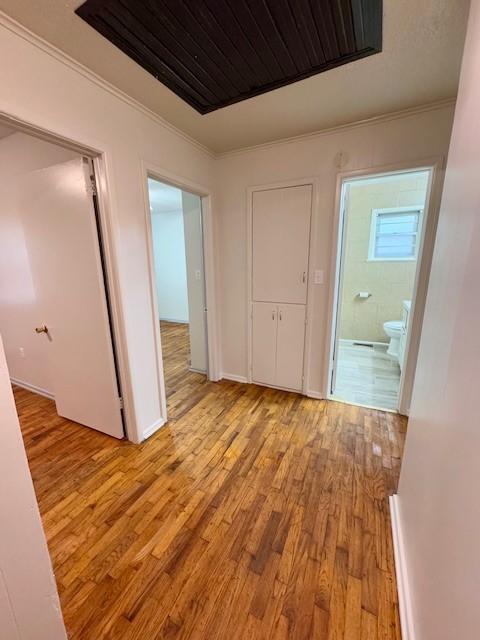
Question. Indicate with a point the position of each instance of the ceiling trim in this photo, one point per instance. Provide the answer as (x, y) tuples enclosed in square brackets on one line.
[(356, 124), (18, 29), (15, 27)]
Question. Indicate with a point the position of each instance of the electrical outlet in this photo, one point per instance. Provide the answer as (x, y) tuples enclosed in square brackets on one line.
[(21, 350), (198, 274)]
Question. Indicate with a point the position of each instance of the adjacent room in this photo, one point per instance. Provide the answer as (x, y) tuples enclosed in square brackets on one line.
[(381, 245), (54, 310), (239, 356), (177, 242)]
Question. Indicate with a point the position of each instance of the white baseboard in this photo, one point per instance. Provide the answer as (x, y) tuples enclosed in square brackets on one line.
[(193, 370), (149, 431), (33, 388), (316, 395), (404, 596), (346, 341), (233, 377), (174, 320)]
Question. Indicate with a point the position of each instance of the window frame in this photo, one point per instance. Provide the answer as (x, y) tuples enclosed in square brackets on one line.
[(373, 229)]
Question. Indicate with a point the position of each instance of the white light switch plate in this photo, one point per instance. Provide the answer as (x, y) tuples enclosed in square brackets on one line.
[(318, 276)]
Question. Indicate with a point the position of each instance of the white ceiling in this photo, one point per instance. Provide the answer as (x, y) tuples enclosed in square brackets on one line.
[(163, 197), (423, 43)]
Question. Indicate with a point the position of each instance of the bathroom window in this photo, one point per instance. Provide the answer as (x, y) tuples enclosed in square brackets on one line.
[(395, 233)]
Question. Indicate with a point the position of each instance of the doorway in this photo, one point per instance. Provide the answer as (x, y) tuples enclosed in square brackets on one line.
[(54, 310), (179, 270), (382, 226)]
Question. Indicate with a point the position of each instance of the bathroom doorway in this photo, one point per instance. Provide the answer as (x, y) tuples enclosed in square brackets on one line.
[(382, 225)]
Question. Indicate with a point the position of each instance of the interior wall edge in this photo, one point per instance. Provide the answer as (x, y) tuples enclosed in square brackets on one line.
[(403, 588)]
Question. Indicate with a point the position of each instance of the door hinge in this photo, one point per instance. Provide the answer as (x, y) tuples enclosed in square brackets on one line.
[(93, 186), (120, 402)]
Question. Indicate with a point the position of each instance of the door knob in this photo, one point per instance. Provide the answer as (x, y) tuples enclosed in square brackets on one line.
[(42, 329)]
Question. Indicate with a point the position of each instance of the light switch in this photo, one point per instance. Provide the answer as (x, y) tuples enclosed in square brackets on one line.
[(318, 277)]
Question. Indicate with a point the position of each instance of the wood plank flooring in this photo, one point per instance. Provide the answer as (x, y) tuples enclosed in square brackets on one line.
[(180, 382), (254, 514)]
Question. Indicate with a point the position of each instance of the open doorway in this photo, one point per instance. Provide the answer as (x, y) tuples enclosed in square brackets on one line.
[(54, 309), (382, 225), (178, 253)]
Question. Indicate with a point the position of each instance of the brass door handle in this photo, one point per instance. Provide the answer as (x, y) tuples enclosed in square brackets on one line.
[(42, 329)]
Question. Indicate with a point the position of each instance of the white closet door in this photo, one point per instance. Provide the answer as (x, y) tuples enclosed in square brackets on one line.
[(290, 346), (281, 237), (63, 249), (264, 342)]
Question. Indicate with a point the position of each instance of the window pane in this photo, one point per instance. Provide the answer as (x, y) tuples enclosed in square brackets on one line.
[(396, 234)]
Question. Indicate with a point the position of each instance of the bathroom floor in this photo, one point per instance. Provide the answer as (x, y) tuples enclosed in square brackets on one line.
[(367, 375)]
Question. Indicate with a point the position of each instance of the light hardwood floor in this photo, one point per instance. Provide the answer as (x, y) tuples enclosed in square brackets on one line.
[(367, 375), (253, 514), (183, 387)]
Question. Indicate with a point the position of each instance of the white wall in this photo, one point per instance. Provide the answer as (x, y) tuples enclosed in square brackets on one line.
[(19, 308), (170, 266), (38, 87), (29, 604), (439, 483), (400, 139)]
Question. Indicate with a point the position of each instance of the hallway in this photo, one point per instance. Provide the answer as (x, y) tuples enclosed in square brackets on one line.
[(254, 513)]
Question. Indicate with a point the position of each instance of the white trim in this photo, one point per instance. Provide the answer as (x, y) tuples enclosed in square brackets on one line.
[(149, 170), (193, 370), (387, 117), (112, 284), (149, 431), (349, 341), (316, 395), (174, 320), (403, 587), (33, 388), (432, 202), (233, 377), (314, 213), (18, 29)]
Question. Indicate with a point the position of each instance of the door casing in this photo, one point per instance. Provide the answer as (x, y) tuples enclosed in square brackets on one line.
[(162, 175), (436, 166)]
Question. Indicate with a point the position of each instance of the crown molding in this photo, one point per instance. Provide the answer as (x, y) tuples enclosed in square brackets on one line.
[(18, 29), (387, 117)]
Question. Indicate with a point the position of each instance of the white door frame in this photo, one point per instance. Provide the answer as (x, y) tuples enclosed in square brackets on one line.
[(436, 166), (101, 163), (314, 182), (150, 170)]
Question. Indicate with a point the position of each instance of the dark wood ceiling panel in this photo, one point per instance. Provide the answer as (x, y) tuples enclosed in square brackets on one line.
[(213, 53)]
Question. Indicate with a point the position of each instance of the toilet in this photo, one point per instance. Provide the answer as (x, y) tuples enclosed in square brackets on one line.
[(393, 329)]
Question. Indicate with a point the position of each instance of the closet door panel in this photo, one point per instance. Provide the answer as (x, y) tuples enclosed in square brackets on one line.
[(280, 244), (290, 346), (264, 338)]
